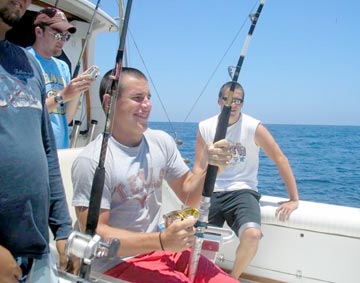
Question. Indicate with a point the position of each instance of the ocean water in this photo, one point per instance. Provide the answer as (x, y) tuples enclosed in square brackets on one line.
[(325, 160)]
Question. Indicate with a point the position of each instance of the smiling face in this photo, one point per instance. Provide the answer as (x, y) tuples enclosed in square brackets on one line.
[(132, 110)]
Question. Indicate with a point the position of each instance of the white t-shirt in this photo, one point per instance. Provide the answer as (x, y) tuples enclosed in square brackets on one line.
[(133, 178), (133, 182)]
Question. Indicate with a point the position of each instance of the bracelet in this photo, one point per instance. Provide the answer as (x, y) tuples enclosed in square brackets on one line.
[(161, 244)]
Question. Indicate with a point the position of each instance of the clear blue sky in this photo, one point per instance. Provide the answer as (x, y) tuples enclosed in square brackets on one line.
[(301, 67)]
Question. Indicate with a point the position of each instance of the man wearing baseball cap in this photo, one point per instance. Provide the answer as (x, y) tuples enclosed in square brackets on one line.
[(55, 19), (52, 31)]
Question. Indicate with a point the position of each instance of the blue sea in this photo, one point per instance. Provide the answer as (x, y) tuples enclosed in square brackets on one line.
[(325, 160)]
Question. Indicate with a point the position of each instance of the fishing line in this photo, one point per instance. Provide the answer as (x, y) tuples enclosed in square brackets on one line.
[(218, 65), (153, 85)]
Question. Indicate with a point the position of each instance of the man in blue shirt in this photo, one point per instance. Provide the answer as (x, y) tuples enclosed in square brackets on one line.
[(32, 195), (52, 31)]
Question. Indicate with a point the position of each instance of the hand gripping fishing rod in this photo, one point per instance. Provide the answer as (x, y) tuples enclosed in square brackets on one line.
[(212, 170), (89, 246)]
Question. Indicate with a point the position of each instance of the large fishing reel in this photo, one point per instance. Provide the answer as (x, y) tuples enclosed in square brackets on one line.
[(213, 236), (88, 248), (208, 239)]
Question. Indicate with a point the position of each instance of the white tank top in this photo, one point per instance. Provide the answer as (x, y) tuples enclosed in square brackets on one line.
[(242, 171)]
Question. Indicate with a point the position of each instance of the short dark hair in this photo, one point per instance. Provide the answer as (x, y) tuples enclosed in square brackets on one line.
[(107, 83), (228, 85)]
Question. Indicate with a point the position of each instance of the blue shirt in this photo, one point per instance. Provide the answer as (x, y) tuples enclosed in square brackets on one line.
[(32, 195), (57, 75)]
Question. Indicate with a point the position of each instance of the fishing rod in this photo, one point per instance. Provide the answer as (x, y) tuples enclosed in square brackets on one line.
[(89, 245), (77, 67), (93, 71), (212, 170), (99, 176)]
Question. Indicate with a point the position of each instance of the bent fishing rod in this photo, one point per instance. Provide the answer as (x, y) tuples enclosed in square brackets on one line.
[(88, 246), (212, 170)]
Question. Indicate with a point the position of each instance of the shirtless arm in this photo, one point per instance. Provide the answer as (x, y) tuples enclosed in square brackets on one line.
[(265, 140)]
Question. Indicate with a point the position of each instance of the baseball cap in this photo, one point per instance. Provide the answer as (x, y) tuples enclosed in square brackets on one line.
[(54, 18)]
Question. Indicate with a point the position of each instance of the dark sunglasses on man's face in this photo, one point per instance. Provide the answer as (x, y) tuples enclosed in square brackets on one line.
[(237, 101)]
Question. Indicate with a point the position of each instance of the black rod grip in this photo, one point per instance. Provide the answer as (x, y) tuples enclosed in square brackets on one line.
[(95, 200), (219, 135)]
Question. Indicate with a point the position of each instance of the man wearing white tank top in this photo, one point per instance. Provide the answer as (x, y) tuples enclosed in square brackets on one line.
[(236, 197)]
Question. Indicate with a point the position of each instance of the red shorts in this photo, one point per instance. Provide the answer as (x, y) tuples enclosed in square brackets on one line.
[(168, 267)]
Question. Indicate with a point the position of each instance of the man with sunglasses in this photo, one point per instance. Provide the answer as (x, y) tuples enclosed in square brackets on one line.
[(236, 198), (32, 196), (52, 31)]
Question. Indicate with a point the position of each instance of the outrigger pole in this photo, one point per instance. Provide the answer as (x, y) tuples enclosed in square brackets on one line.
[(77, 67), (99, 176), (93, 72), (212, 170)]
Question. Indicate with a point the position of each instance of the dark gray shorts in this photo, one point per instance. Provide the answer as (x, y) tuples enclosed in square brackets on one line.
[(240, 209)]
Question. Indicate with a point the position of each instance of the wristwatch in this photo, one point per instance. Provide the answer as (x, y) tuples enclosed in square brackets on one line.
[(58, 98)]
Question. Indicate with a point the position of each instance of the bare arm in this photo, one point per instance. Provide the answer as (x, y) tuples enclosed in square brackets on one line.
[(201, 155), (188, 188), (176, 237), (265, 140)]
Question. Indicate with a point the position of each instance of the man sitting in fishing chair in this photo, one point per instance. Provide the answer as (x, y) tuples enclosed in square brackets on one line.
[(138, 160)]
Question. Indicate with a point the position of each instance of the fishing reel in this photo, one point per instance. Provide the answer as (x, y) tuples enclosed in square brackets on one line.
[(87, 247), (211, 237), (182, 214)]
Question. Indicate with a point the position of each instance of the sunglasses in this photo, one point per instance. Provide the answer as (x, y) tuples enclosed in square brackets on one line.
[(51, 12), (60, 36), (237, 101)]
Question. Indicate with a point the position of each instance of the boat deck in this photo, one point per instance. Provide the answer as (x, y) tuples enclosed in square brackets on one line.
[(310, 243)]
